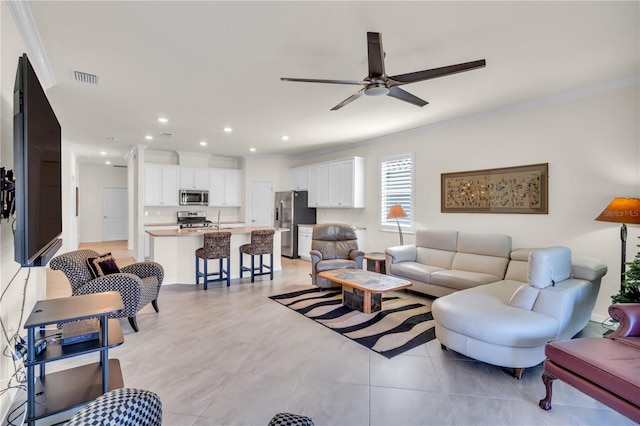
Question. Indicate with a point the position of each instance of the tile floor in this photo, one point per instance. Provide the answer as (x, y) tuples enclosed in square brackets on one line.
[(231, 356)]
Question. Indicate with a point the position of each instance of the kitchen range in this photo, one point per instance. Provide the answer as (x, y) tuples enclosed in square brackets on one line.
[(194, 219)]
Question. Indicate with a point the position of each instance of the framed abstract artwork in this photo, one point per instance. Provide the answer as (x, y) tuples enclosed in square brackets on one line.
[(520, 189)]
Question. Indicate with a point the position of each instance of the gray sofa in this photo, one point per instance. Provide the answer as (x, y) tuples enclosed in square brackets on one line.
[(441, 261), (502, 318)]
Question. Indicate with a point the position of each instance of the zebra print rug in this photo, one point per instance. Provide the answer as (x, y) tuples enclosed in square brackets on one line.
[(400, 325)]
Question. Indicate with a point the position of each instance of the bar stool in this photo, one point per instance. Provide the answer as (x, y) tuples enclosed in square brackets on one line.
[(217, 245), (261, 244)]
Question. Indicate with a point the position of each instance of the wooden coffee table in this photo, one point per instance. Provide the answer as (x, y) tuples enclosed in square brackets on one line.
[(362, 290)]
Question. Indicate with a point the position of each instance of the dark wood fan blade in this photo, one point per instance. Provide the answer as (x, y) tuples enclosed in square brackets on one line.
[(403, 95), (375, 54), (313, 80), (412, 77), (350, 99)]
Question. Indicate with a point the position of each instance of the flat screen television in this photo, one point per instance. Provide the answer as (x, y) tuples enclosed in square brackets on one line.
[(37, 139)]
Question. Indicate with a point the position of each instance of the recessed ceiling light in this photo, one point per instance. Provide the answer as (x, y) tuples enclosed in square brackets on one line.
[(252, 149), (103, 152), (163, 120), (203, 143), (148, 137), (107, 162), (285, 138), (228, 129)]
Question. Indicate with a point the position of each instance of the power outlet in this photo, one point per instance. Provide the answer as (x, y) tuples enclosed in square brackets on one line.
[(157, 213), (146, 213)]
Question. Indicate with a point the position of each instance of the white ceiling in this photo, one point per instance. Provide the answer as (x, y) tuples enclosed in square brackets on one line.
[(205, 65)]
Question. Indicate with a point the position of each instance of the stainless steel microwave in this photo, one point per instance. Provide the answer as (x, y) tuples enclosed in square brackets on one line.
[(193, 197)]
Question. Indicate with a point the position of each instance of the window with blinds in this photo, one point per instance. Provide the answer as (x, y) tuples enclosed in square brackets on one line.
[(396, 187)]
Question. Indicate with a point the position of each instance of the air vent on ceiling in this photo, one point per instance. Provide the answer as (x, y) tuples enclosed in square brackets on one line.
[(85, 77), (118, 165), (165, 134)]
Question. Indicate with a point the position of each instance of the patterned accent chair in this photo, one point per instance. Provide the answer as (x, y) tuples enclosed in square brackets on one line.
[(217, 245), (138, 284), (261, 244), (121, 407), (290, 419), (333, 246)]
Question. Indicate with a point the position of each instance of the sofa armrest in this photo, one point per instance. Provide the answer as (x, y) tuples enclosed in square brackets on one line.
[(357, 256), (628, 317), (144, 270), (316, 257), (399, 254), (587, 267)]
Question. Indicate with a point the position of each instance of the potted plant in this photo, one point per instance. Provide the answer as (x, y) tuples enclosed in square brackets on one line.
[(630, 290)]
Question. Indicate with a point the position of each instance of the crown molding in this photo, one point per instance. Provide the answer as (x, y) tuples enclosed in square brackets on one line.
[(31, 37)]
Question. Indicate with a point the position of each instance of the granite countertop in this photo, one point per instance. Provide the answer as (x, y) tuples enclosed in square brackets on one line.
[(191, 232), (305, 225)]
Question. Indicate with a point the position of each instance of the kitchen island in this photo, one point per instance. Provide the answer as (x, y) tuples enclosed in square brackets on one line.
[(175, 251)]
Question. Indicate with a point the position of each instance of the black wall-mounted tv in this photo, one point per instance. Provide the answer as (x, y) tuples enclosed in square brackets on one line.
[(37, 140)]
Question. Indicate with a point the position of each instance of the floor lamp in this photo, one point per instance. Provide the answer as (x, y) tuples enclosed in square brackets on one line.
[(622, 210), (396, 212)]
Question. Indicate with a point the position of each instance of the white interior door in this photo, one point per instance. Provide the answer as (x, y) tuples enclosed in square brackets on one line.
[(261, 204), (114, 214)]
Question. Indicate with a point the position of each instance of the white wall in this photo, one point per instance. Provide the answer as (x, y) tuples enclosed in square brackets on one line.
[(590, 139), (93, 179), (16, 283)]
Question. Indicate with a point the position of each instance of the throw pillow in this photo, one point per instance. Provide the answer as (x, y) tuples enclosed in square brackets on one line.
[(524, 297), (103, 265)]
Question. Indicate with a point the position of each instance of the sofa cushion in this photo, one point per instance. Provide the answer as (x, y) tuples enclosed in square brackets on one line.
[(326, 265), (611, 365), (548, 266), (524, 297), (518, 268), (413, 271), (437, 239), (485, 244), (461, 280), (435, 257), (491, 265)]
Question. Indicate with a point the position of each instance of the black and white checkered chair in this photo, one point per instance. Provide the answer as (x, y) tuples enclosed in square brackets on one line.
[(121, 407), (290, 419), (138, 284)]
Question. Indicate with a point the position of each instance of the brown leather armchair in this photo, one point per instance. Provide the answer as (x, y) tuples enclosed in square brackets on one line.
[(333, 246)]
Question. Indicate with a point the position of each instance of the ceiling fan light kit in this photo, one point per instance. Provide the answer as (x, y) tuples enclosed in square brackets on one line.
[(378, 83)]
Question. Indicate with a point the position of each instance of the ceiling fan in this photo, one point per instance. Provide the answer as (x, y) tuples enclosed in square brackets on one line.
[(378, 83)]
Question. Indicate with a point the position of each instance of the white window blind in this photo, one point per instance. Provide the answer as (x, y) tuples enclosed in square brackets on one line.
[(397, 188)]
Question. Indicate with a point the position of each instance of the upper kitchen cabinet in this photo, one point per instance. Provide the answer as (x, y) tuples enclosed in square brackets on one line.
[(225, 187), (299, 179), (194, 178), (160, 185), (337, 184)]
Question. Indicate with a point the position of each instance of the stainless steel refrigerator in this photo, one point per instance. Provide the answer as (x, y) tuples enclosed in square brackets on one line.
[(291, 211)]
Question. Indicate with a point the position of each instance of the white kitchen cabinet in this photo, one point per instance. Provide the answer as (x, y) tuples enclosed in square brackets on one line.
[(318, 185), (194, 178), (225, 187), (304, 242), (160, 185), (299, 179), (337, 184)]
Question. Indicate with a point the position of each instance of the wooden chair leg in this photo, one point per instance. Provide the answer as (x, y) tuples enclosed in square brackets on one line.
[(517, 373), (228, 271), (134, 323), (253, 271), (547, 379)]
